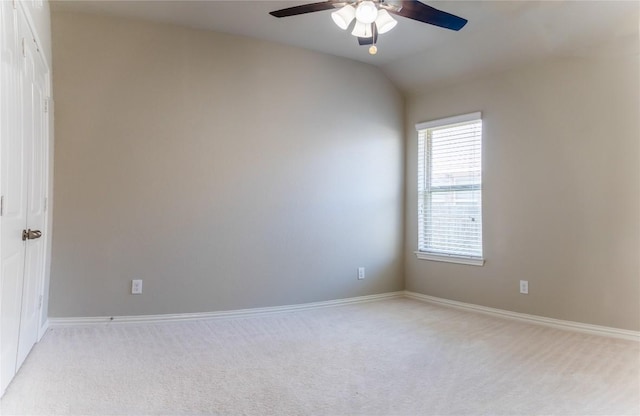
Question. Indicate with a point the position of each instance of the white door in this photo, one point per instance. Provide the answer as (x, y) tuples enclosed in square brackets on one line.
[(13, 177), (23, 179), (34, 96)]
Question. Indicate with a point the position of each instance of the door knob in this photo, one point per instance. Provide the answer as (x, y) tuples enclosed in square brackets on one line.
[(31, 234)]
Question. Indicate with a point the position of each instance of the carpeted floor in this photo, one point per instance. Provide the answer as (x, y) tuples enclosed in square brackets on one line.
[(391, 357)]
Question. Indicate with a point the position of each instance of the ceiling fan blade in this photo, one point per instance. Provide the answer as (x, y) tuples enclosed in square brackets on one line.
[(373, 39), (305, 8), (413, 9)]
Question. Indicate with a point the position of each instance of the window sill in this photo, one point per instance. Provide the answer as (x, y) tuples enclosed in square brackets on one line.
[(471, 261)]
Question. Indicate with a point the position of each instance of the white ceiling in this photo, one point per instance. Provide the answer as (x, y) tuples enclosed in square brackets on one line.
[(414, 55)]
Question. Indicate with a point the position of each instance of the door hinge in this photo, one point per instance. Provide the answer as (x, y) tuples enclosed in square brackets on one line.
[(40, 302), (46, 104), (45, 203), (1, 205), (15, 4), (24, 48)]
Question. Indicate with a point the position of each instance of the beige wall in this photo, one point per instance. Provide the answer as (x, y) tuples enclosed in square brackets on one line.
[(223, 171), (561, 167), (232, 173)]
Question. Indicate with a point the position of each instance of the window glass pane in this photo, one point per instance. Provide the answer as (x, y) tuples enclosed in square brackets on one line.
[(450, 189), (454, 224)]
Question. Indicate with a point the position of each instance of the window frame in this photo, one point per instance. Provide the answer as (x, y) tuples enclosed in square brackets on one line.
[(425, 164)]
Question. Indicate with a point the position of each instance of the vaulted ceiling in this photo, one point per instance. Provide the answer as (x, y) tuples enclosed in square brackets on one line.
[(414, 55)]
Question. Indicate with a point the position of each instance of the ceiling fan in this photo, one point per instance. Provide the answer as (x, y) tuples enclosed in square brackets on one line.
[(373, 17)]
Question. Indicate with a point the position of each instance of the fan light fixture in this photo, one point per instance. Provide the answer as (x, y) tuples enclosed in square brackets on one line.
[(366, 14)]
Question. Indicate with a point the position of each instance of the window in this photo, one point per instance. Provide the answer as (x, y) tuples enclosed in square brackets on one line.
[(450, 189)]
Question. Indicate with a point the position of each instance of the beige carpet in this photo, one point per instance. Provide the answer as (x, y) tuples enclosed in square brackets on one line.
[(392, 357)]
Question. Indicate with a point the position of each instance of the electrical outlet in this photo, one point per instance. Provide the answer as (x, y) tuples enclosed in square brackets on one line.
[(136, 287), (360, 273), (524, 287)]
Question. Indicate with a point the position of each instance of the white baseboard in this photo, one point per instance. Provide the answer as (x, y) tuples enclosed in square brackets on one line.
[(179, 317), (533, 319)]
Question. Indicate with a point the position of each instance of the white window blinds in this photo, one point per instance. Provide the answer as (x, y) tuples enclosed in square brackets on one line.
[(450, 187)]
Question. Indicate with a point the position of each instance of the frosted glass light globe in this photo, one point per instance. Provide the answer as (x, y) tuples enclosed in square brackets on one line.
[(344, 16), (362, 30), (385, 22), (367, 12)]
